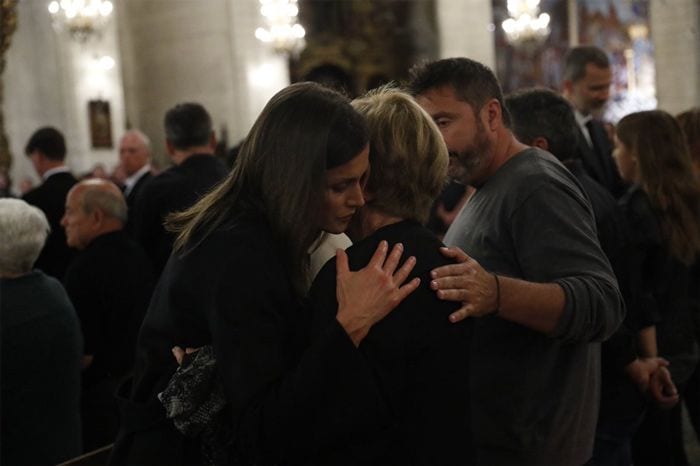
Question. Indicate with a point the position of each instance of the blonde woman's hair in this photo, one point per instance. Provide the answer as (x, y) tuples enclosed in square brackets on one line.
[(655, 138), (408, 156)]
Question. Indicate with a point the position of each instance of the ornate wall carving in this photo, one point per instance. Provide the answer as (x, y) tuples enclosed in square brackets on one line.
[(359, 44), (8, 24)]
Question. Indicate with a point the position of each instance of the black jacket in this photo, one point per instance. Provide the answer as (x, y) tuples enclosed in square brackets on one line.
[(289, 396), (50, 197), (598, 160), (176, 189), (420, 361)]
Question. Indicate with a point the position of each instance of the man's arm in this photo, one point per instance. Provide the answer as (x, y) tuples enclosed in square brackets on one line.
[(565, 286), (535, 305)]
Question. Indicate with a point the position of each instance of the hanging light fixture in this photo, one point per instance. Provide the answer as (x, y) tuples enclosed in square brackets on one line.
[(526, 25), (82, 19), (281, 29)]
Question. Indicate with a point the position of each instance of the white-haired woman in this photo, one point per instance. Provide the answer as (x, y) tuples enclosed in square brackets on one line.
[(41, 347)]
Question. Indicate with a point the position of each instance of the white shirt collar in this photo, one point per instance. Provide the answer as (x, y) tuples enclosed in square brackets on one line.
[(131, 181), (53, 171), (582, 120)]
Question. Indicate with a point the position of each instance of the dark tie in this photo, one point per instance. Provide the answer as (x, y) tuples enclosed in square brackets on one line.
[(597, 163), (593, 133), (604, 165)]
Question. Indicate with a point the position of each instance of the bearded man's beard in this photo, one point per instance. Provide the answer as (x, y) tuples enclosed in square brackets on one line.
[(464, 164)]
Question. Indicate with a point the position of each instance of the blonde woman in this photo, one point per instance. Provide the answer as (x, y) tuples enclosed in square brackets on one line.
[(419, 359)]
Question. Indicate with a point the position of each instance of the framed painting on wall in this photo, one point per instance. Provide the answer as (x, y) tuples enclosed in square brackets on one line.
[(100, 124)]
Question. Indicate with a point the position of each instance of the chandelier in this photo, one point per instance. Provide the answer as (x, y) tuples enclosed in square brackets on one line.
[(281, 28), (526, 25), (82, 19)]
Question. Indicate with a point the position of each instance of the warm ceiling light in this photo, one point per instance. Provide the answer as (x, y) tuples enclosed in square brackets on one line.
[(281, 29), (526, 25), (82, 19)]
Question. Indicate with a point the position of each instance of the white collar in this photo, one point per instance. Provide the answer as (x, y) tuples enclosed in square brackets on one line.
[(53, 171), (582, 119), (131, 181)]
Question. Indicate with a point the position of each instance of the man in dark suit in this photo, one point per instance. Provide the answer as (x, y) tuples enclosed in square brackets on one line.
[(47, 151), (586, 85), (190, 141), (110, 284)]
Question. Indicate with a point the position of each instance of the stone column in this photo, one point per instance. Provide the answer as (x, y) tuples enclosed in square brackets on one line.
[(189, 50), (466, 30), (8, 24), (675, 32), (49, 80)]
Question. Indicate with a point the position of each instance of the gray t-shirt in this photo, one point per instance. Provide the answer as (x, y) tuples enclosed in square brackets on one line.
[(535, 396)]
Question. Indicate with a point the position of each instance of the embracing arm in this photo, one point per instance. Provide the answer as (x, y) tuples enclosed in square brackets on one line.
[(534, 305), (545, 307), (566, 288), (291, 397), (367, 296)]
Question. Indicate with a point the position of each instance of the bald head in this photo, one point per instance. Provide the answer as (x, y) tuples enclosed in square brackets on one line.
[(93, 207), (134, 151)]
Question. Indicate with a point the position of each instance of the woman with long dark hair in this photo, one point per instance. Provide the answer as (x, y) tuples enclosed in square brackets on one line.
[(690, 123), (236, 281), (663, 210)]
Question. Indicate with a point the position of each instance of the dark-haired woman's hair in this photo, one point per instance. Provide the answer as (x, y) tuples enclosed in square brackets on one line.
[(656, 140), (690, 124), (304, 130)]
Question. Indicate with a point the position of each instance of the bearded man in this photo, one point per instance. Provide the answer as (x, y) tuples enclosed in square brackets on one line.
[(532, 274)]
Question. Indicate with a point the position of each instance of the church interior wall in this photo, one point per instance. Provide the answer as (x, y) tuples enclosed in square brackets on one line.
[(168, 52), (49, 80), (675, 28)]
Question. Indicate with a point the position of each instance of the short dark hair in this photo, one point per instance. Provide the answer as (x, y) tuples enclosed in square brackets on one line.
[(49, 141), (472, 81), (187, 125), (578, 57), (544, 113)]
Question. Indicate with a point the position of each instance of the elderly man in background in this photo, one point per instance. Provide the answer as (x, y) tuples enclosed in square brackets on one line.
[(40, 347), (46, 149), (110, 283), (135, 157)]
